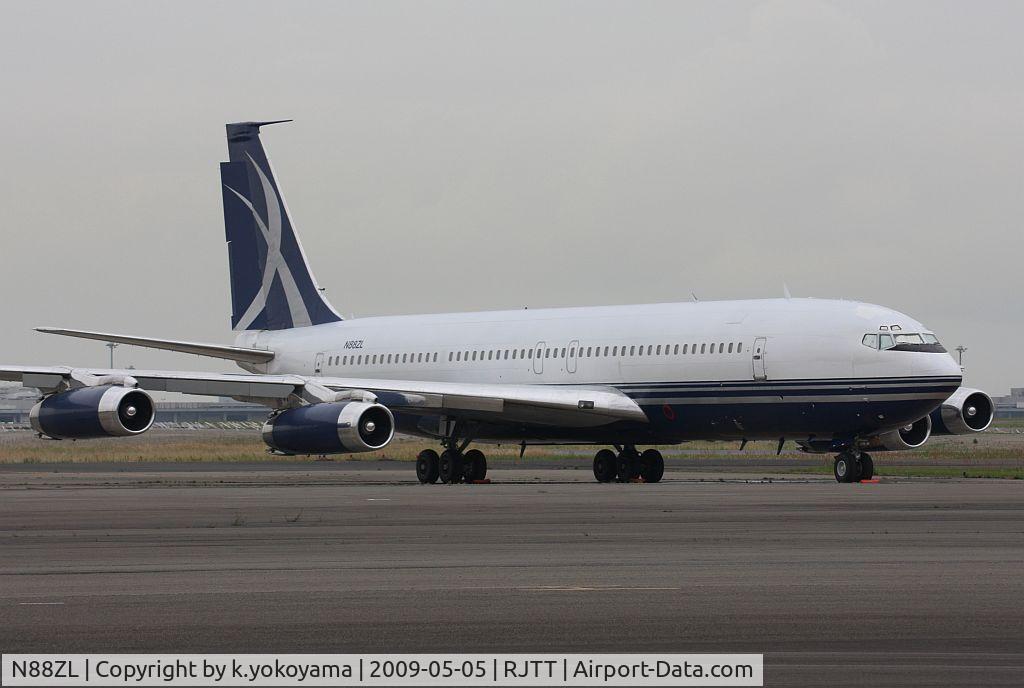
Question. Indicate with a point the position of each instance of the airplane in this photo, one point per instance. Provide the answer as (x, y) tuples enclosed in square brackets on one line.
[(834, 376)]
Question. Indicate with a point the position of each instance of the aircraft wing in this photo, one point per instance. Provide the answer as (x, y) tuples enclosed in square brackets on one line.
[(563, 405), (231, 353)]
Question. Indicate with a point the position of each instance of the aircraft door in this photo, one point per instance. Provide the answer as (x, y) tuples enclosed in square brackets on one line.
[(758, 353), (318, 364), (571, 355), (538, 358)]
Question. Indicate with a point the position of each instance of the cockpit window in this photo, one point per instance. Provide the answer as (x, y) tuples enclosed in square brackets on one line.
[(909, 339), (900, 341)]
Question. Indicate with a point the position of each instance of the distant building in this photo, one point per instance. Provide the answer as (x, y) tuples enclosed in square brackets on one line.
[(1011, 406)]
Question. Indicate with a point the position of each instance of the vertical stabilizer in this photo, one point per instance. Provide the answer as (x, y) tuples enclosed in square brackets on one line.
[(272, 287)]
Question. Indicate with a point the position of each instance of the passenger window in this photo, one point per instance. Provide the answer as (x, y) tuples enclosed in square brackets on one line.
[(474, 355), (885, 342), (435, 357), (641, 351), (632, 351), (870, 341), (730, 347), (589, 349), (529, 354), (514, 352), (657, 352), (650, 348), (739, 347), (572, 352), (703, 347), (563, 352)]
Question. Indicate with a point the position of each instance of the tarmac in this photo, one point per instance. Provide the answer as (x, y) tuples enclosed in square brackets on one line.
[(903, 582)]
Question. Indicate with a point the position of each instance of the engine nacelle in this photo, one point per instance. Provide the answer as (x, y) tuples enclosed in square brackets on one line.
[(340, 427), (89, 412), (908, 437), (966, 411)]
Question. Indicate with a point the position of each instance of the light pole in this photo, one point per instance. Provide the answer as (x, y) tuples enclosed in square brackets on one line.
[(111, 346), (960, 350)]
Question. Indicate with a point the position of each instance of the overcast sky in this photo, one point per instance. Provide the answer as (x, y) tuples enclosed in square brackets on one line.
[(463, 156)]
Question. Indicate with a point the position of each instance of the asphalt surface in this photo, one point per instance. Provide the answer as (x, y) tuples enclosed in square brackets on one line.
[(905, 582)]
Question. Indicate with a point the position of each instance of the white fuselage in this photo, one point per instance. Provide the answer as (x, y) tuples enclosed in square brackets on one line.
[(732, 368), (804, 339)]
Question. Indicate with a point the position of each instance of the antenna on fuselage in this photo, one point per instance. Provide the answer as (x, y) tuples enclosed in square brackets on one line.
[(694, 296), (785, 291)]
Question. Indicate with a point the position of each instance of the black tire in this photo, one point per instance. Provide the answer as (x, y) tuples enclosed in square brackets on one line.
[(652, 466), (867, 466), (474, 465), (604, 466), (450, 467), (845, 468), (427, 470), (627, 466)]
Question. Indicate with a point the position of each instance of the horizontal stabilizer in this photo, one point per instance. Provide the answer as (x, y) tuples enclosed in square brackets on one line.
[(231, 353)]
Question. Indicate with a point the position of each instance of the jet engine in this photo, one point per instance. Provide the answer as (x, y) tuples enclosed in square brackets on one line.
[(966, 411), (330, 428), (89, 412), (907, 437)]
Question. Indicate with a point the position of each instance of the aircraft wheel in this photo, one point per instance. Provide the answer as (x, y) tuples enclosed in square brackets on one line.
[(604, 466), (450, 467), (427, 470), (867, 466), (474, 465), (845, 468), (652, 466), (627, 466)]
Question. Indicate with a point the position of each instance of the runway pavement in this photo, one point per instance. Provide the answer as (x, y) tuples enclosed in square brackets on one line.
[(904, 582)]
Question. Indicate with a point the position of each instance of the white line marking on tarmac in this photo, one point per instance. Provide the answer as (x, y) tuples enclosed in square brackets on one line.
[(38, 603), (582, 588), (379, 499)]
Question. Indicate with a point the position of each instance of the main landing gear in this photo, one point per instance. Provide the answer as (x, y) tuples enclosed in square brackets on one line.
[(451, 466), (853, 466), (628, 465)]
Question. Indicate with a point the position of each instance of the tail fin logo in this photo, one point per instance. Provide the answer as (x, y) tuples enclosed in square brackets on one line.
[(276, 265)]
